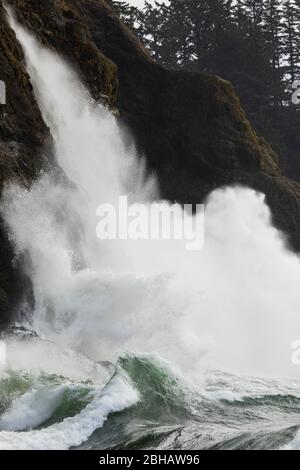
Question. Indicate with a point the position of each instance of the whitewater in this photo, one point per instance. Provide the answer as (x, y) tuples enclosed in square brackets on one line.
[(142, 344)]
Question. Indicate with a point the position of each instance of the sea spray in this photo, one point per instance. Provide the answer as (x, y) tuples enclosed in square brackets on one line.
[(72, 431), (235, 303)]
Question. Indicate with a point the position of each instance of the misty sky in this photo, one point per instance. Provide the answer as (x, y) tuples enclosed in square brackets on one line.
[(138, 3)]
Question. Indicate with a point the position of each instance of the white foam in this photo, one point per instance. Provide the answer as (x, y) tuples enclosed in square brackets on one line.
[(294, 444), (117, 396), (38, 356), (31, 409), (235, 304)]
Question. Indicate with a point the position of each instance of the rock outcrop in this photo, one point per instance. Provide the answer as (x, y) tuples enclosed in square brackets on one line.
[(190, 127), (24, 139)]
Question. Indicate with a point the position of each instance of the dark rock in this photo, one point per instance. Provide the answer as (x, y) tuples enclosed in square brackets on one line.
[(23, 143), (17, 332), (59, 26)]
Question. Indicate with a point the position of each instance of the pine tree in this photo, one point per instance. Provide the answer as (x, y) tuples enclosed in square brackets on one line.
[(253, 43), (151, 28), (209, 21), (254, 10), (177, 49), (273, 28), (291, 38), (128, 13)]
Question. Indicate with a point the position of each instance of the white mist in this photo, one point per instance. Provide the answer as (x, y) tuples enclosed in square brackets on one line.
[(234, 305)]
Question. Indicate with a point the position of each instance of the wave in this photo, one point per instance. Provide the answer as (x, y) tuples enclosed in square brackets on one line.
[(218, 415), (147, 405), (31, 409), (102, 299), (117, 395)]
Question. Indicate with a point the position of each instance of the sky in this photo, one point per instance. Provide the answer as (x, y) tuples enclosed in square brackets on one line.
[(138, 3)]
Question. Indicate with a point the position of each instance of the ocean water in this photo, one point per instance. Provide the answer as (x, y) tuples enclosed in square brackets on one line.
[(145, 405), (142, 345)]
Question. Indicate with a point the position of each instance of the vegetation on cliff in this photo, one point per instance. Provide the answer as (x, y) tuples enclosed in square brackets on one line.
[(254, 44)]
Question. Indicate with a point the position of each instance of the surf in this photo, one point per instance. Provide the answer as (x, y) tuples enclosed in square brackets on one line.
[(190, 339)]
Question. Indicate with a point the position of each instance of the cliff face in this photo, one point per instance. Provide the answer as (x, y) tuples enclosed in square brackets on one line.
[(22, 131), (23, 142), (181, 121), (59, 26), (190, 127)]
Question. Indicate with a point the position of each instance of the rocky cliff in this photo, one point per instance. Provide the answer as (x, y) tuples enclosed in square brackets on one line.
[(190, 126), (23, 143)]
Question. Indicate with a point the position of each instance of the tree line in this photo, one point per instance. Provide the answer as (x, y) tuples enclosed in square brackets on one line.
[(253, 43)]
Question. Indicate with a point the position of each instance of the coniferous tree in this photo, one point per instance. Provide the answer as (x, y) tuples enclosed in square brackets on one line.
[(177, 47), (254, 10), (252, 43), (273, 28), (291, 39), (127, 12)]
